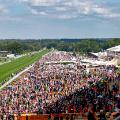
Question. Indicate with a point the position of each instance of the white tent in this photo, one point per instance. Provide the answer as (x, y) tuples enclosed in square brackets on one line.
[(100, 54), (115, 62), (114, 49), (11, 56)]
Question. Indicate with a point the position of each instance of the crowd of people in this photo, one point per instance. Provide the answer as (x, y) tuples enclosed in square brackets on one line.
[(62, 88), (57, 56)]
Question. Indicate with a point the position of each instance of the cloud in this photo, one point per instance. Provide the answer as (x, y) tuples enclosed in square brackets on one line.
[(10, 18), (40, 2), (5, 14), (35, 12), (68, 9), (3, 9)]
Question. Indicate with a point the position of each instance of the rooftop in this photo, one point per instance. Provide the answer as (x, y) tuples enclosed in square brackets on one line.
[(114, 49)]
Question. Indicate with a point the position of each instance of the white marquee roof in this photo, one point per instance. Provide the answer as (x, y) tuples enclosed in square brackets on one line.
[(115, 49)]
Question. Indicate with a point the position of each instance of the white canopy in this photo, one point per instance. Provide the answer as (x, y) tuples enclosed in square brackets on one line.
[(101, 62), (115, 49), (99, 54)]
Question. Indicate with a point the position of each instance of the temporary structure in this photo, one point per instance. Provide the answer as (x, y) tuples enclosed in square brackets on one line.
[(114, 49)]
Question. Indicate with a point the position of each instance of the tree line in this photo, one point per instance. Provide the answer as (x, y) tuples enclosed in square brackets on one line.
[(75, 45)]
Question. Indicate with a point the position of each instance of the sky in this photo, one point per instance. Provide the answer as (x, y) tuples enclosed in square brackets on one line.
[(28, 19)]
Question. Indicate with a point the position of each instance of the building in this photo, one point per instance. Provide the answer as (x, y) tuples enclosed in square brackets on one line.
[(114, 51), (4, 53), (10, 56)]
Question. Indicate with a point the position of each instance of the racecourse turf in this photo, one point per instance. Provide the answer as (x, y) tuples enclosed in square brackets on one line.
[(19, 64)]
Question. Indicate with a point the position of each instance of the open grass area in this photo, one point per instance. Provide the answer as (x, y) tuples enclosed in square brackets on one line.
[(19, 64)]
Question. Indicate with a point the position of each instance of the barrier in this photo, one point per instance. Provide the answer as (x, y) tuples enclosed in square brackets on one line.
[(63, 116)]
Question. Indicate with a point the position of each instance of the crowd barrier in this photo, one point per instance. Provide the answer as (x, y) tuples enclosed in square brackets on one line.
[(64, 116), (76, 116)]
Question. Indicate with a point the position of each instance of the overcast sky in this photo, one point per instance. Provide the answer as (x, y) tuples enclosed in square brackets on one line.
[(59, 18)]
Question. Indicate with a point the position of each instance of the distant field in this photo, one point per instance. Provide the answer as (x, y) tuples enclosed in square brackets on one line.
[(17, 65)]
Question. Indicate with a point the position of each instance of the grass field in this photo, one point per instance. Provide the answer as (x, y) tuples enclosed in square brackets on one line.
[(17, 65)]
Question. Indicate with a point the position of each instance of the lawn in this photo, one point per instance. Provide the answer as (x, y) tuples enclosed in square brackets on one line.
[(19, 64)]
